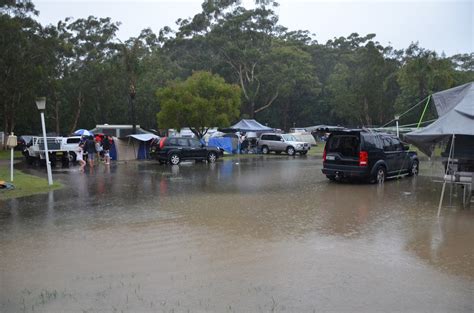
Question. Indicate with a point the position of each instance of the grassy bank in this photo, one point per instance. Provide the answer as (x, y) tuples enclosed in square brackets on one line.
[(25, 184), (5, 154)]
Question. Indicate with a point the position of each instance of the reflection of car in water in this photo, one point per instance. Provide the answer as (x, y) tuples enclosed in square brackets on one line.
[(177, 149), (282, 143), (364, 154)]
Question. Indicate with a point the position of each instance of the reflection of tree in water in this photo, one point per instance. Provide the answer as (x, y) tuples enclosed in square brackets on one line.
[(447, 245)]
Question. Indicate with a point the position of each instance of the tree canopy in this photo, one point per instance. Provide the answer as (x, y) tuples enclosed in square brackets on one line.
[(203, 100), (286, 77)]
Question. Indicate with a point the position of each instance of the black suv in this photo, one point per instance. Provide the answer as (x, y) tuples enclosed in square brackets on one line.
[(176, 149), (369, 155)]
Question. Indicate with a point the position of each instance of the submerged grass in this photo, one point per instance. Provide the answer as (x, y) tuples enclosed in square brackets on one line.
[(25, 184)]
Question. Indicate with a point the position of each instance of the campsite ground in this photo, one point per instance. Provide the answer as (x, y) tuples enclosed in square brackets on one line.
[(263, 234)]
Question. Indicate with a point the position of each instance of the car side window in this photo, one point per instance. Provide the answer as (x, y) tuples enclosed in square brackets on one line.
[(397, 144), (183, 142), (369, 141), (388, 144), (73, 140), (172, 142), (265, 137), (194, 143), (276, 138)]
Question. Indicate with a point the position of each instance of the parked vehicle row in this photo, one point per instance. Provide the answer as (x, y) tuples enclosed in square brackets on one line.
[(348, 154)]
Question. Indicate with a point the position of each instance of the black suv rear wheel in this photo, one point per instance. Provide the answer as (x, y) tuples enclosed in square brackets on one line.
[(380, 175), (414, 170), (174, 159)]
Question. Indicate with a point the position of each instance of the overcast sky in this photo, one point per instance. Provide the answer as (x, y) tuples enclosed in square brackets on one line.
[(441, 25)]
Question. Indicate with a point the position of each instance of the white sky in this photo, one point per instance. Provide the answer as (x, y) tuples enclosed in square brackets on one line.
[(441, 25)]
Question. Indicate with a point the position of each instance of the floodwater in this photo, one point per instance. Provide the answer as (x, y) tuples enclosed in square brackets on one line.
[(242, 235)]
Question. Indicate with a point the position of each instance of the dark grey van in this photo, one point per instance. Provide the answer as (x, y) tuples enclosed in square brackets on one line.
[(369, 155)]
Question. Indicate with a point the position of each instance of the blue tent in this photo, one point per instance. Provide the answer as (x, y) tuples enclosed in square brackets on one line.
[(226, 143)]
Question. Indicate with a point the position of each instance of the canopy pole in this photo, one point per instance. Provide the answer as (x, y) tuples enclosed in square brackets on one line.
[(444, 178), (424, 111)]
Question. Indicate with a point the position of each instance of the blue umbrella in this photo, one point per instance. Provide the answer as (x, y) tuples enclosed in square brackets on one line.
[(83, 132)]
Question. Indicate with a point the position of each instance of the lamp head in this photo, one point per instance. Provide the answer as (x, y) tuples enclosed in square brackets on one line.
[(41, 103)]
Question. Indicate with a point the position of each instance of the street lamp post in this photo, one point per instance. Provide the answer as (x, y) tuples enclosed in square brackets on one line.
[(41, 104)]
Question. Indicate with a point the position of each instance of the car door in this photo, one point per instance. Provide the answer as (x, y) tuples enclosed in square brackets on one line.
[(185, 149), (391, 154), (196, 149), (403, 160), (278, 143)]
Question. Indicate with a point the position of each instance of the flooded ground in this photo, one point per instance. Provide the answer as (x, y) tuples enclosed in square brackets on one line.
[(249, 235)]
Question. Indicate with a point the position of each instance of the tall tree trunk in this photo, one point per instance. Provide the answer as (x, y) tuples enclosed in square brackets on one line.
[(80, 101), (56, 112), (285, 116), (368, 121)]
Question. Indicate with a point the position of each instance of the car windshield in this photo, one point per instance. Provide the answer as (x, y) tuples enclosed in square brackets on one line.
[(289, 137)]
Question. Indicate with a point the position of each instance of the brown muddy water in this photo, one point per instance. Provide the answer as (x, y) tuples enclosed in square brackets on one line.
[(249, 235)]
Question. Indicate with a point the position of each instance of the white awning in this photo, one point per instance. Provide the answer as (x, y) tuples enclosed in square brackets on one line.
[(144, 137)]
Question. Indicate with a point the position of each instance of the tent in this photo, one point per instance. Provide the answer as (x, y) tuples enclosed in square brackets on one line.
[(248, 126), (134, 147), (455, 108), (228, 144)]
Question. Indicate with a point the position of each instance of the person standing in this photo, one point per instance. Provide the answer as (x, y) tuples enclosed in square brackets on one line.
[(91, 152), (106, 145), (98, 149), (80, 157)]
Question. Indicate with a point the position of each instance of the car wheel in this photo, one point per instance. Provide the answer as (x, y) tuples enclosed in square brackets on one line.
[(71, 156), (414, 168), (212, 157), (175, 159), (291, 151), (265, 150), (380, 175)]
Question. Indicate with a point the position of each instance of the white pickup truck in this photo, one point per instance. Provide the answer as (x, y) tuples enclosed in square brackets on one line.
[(63, 148)]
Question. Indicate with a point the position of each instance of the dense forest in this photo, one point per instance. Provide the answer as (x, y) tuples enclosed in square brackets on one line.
[(286, 77)]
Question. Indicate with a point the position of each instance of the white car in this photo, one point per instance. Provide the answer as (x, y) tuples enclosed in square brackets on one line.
[(282, 143)]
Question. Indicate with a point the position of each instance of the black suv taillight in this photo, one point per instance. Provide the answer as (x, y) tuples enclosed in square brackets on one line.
[(363, 158)]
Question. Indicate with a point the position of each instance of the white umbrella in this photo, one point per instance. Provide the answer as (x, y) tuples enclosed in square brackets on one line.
[(83, 132)]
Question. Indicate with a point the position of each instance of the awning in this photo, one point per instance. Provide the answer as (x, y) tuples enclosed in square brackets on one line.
[(144, 137), (455, 108)]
